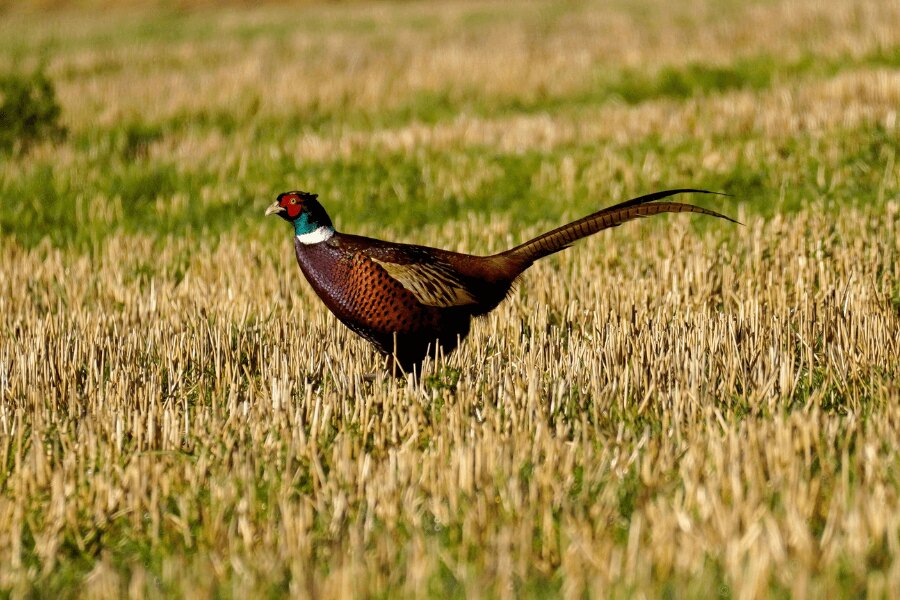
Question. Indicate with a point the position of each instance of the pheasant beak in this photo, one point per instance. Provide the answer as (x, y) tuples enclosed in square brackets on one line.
[(274, 209)]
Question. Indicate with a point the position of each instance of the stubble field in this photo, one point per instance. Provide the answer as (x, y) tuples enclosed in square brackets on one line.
[(678, 407)]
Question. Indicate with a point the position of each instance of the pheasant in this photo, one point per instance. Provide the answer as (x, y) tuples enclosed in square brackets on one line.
[(408, 299)]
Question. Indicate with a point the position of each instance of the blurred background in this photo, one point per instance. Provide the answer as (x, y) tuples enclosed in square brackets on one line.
[(190, 116)]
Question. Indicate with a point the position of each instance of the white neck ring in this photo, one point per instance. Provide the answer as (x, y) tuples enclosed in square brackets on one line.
[(317, 236)]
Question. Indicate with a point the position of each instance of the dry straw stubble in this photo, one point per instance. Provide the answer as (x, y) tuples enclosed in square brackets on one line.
[(613, 431)]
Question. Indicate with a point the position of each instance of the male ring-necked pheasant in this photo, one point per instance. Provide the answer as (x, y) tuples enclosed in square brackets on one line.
[(403, 298)]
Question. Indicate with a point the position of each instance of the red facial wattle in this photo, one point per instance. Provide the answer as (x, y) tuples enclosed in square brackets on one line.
[(291, 204)]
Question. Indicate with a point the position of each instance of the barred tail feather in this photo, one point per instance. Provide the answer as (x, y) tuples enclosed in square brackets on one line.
[(643, 206)]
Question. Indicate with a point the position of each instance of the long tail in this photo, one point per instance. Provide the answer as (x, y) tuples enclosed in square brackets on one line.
[(563, 237)]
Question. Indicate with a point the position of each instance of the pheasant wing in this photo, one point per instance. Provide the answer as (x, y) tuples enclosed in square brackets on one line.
[(433, 283)]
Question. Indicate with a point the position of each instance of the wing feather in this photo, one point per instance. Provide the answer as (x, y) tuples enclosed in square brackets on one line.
[(433, 283)]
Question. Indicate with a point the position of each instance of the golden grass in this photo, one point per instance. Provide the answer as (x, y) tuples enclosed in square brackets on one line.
[(226, 415), (665, 408), (376, 56)]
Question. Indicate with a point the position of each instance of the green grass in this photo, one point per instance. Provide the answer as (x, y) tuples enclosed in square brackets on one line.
[(111, 165), (398, 189)]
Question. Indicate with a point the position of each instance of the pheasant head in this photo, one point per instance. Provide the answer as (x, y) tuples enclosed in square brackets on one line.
[(311, 223)]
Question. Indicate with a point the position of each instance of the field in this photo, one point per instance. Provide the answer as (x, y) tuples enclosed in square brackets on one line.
[(679, 407)]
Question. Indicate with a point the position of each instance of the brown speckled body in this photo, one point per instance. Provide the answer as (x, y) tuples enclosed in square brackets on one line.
[(361, 293)]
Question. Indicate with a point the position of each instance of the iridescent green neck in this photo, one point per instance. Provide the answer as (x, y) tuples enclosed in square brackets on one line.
[(302, 225), (309, 232)]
